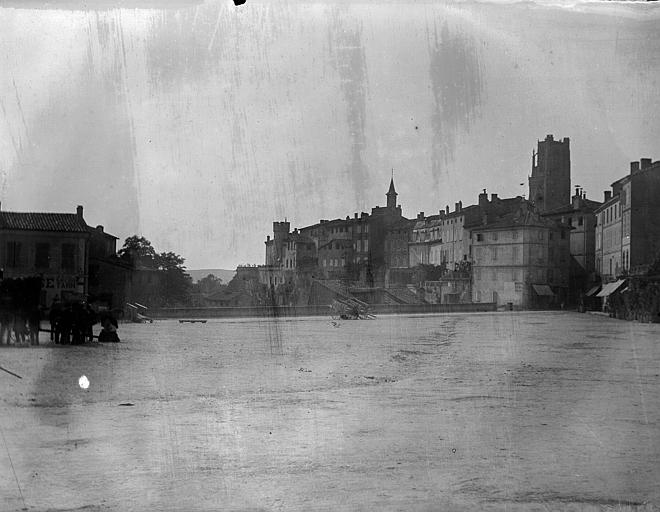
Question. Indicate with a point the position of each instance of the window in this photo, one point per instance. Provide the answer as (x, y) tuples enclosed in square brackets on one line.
[(68, 257), (540, 235), (480, 237), (519, 287), (580, 221), (563, 234), (514, 234), (570, 221), (494, 253), (13, 258), (515, 254), (494, 235)]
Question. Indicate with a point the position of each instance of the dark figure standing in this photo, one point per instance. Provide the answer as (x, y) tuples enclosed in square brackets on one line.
[(34, 324), (20, 327), (78, 325), (55, 317), (91, 320), (6, 324), (65, 325)]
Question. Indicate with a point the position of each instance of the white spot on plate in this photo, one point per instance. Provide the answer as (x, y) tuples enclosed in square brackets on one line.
[(83, 382)]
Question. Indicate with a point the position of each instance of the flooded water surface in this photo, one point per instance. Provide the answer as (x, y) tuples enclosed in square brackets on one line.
[(502, 411)]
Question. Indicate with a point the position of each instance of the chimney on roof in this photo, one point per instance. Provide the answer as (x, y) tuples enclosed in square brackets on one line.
[(447, 210), (355, 216), (608, 195), (460, 206), (646, 162), (493, 197), (420, 215), (79, 211), (99, 228), (634, 167), (549, 137), (483, 199)]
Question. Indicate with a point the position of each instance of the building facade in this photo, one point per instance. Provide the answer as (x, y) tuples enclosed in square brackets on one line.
[(521, 259), (580, 216), (110, 277), (362, 248), (627, 227), (53, 246)]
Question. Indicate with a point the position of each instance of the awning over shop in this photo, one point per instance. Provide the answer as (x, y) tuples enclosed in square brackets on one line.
[(543, 289), (592, 291), (610, 288)]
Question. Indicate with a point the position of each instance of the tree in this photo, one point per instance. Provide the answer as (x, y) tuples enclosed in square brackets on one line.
[(138, 251), (209, 284), (176, 282), (172, 285)]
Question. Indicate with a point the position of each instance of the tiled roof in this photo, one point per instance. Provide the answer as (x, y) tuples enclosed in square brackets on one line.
[(29, 221), (519, 218), (587, 205)]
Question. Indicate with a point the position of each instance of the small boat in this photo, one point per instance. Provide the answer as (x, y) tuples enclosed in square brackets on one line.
[(192, 321), (350, 309)]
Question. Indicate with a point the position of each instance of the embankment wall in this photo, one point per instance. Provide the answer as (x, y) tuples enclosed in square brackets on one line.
[(290, 311)]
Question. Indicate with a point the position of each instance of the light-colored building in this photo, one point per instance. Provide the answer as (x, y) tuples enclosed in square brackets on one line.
[(627, 227), (608, 237), (520, 258)]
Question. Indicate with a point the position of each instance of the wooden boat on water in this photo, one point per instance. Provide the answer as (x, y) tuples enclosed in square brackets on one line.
[(192, 321), (350, 309), (137, 313)]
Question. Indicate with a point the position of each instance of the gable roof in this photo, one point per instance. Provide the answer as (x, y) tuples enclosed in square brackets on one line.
[(587, 206), (525, 215), (34, 221)]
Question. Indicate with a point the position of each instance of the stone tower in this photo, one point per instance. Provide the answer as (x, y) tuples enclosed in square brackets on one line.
[(550, 182), (280, 235)]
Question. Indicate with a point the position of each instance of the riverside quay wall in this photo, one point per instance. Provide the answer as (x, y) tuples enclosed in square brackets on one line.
[(290, 311)]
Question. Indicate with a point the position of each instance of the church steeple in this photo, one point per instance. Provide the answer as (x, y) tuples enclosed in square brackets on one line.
[(391, 194)]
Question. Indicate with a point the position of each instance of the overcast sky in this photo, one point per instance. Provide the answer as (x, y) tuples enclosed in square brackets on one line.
[(198, 125)]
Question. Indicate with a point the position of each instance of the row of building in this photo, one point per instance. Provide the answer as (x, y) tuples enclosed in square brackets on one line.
[(75, 261), (551, 248)]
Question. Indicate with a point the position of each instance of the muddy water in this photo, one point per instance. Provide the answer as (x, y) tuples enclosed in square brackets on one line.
[(522, 411)]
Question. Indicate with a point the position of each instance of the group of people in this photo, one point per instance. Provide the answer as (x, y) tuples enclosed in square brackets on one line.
[(73, 324), (19, 326)]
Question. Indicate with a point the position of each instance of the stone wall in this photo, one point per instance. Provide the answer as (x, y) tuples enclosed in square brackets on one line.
[(289, 311)]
